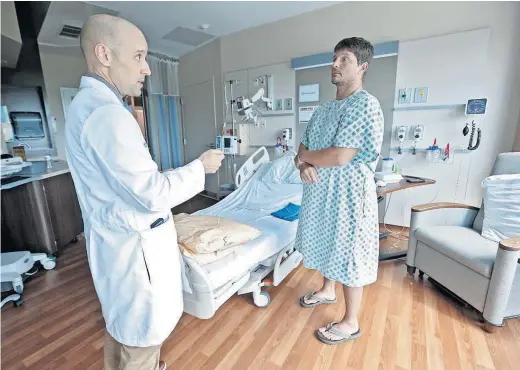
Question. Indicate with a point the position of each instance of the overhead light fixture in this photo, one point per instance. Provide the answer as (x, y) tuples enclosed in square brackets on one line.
[(204, 27)]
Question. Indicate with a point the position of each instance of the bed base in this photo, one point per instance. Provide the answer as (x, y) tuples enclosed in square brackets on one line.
[(205, 299)]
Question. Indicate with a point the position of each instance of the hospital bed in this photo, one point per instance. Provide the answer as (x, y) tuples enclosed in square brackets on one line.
[(244, 270)]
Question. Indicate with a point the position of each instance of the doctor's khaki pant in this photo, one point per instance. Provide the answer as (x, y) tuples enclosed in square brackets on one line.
[(121, 357)]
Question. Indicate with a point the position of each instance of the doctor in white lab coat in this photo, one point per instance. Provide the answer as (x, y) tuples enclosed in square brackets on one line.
[(125, 201)]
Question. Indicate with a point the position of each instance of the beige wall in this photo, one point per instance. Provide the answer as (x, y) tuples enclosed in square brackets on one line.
[(61, 68), (201, 65), (10, 21)]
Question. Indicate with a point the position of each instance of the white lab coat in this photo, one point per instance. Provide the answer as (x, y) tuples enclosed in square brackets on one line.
[(136, 270)]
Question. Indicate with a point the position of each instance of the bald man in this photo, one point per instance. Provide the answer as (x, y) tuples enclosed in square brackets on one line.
[(125, 201)]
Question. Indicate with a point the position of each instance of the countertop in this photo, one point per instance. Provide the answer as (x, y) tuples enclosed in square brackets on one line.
[(38, 171)]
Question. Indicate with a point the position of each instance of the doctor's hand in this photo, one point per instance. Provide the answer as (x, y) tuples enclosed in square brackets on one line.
[(212, 160), (308, 173)]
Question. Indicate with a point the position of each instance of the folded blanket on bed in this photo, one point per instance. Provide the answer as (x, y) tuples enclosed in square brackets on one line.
[(207, 258), (290, 212), (208, 234)]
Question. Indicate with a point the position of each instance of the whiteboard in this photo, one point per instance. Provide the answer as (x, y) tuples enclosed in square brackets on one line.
[(451, 66)]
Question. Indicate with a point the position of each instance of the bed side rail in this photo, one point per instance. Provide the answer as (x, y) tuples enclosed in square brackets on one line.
[(250, 166), (288, 259)]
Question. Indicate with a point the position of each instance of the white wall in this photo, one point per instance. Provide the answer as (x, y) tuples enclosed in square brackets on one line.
[(9, 20), (319, 31), (62, 67)]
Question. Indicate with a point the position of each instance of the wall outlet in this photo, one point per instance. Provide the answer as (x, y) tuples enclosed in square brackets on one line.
[(288, 104), (405, 96), (278, 104), (421, 95)]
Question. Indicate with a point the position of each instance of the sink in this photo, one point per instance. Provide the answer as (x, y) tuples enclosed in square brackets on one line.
[(36, 169)]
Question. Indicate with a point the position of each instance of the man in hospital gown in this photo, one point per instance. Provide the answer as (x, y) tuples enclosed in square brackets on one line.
[(125, 201), (338, 226)]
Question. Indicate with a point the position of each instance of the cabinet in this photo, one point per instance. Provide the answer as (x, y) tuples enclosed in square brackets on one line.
[(41, 216)]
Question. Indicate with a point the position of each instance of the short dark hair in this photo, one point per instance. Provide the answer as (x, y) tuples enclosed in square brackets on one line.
[(361, 48)]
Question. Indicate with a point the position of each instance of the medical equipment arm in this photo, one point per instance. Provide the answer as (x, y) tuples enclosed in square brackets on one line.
[(330, 157), (112, 139)]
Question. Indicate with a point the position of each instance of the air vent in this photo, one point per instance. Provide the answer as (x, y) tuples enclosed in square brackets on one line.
[(188, 36), (71, 32)]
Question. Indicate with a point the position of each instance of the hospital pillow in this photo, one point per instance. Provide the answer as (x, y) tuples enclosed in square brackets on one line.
[(283, 171), (501, 207), (206, 234)]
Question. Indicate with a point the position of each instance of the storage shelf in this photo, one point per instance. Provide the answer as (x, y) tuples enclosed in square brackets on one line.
[(429, 107), (423, 150)]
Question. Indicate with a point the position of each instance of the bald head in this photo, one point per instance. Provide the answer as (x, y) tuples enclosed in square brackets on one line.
[(106, 30), (116, 50)]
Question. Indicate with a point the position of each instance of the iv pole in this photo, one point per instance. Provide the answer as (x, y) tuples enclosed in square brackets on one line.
[(231, 101)]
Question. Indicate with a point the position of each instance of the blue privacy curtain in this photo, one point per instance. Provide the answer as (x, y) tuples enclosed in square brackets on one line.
[(164, 113)]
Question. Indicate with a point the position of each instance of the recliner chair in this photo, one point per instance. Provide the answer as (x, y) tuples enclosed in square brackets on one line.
[(445, 242)]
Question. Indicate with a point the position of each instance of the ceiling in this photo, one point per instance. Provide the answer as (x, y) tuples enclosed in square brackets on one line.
[(173, 27)]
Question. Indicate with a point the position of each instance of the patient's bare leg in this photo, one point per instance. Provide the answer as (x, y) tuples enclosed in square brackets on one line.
[(328, 291), (349, 324)]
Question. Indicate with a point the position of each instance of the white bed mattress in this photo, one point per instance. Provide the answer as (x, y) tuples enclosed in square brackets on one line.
[(253, 204)]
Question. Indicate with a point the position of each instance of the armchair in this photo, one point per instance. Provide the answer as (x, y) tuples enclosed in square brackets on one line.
[(445, 242)]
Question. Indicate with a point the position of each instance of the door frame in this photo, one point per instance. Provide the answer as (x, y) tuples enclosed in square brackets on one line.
[(212, 79)]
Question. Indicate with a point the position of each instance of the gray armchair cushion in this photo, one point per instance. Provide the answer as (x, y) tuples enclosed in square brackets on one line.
[(505, 164), (462, 244)]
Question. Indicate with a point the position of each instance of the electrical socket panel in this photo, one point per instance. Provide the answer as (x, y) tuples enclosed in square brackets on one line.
[(421, 95), (405, 96), (288, 104)]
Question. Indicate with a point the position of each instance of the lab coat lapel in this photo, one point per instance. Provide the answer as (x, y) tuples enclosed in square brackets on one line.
[(92, 83)]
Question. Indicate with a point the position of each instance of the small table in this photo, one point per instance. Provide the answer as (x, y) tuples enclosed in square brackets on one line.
[(393, 187)]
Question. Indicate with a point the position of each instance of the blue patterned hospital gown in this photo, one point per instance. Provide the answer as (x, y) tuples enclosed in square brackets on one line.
[(338, 231)]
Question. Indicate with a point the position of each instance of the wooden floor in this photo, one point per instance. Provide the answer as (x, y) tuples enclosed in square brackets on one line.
[(406, 324)]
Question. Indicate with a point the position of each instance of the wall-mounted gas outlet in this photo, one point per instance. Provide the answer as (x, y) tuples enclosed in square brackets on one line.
[(400, 133), (418, 132)]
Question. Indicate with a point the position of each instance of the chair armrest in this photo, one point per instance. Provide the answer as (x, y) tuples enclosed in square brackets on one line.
[(502, 277), (511, 244), (441, 205), (442, 213)]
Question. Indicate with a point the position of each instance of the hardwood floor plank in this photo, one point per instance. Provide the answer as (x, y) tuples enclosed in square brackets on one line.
[(389, 351), (375, 337), (464, 343), (447, 334), (404, 337), (482, 355), (434, 354)]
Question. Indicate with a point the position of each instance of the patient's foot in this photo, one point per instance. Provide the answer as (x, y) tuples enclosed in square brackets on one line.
[(344, 327), (327, 294)]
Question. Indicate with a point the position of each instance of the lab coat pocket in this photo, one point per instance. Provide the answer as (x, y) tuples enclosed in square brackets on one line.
[(158, 247)]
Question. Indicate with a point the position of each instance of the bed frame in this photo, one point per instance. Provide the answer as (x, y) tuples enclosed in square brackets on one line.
[(206, 299)]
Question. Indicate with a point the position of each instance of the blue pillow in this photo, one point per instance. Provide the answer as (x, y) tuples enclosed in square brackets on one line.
[(290, 212)]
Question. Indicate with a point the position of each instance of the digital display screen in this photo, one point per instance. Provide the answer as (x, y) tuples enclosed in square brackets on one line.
[(227, 142)]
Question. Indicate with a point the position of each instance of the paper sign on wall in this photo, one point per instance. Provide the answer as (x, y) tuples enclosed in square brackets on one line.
[(305, 113), (309, 93)]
